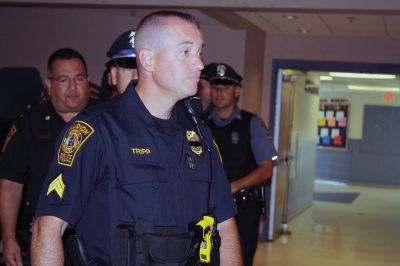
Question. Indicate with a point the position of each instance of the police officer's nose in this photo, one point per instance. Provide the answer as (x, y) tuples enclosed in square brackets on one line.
[(198, 63)]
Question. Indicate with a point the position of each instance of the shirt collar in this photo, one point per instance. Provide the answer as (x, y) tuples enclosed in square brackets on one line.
[(236, 114), (136, 106)]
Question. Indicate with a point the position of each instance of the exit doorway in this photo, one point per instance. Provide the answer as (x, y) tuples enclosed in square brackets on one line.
[(297, 94)]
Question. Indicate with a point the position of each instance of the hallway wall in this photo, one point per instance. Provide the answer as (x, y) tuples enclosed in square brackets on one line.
[(357, 164), (346, 49), (29, 35)]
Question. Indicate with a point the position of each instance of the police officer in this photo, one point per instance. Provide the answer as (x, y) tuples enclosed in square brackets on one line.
[(140, 162), (203, 90), (30, 143), (246, 150), (122, 64)]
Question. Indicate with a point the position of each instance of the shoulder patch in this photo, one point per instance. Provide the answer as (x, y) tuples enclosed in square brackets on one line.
[(57, 185), (78, 133), (10, 134)]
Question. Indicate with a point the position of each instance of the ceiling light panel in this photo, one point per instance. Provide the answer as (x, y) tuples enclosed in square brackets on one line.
[(325, 78), (361, 75), (370, 88)]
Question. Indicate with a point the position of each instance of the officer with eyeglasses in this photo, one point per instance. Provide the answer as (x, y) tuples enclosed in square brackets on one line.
[(29, 147), (122, 67)]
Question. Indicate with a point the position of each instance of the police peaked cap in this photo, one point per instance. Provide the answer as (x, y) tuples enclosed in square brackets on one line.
[(220, 73), (205, 72), (122, 47)]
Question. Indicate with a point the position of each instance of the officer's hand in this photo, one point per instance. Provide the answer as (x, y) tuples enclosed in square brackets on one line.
[(12, 253), (235, 186)]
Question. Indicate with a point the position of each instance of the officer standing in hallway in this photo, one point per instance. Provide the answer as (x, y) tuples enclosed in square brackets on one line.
[(203, 90), (246, 149), (122, 63), (140, 167), (29, 148)]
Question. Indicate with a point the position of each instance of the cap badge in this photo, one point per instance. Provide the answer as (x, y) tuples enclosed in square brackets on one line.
[(221, 70), (132, 39)]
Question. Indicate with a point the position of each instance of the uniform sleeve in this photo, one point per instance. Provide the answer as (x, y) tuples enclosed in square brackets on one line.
[(14, 156), (73, 173), (221, 195), (261, 143)]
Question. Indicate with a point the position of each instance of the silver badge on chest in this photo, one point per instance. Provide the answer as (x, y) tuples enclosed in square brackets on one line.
[(235, 137)]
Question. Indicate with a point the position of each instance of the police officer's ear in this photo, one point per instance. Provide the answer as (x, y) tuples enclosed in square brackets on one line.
[(146, 58), (237, 91), (47, 81), (113, 74)]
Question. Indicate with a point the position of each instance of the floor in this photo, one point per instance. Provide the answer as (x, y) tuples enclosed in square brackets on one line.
[(364, 232)]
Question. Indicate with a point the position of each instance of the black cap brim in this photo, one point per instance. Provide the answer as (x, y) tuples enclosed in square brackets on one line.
[(223, 82)]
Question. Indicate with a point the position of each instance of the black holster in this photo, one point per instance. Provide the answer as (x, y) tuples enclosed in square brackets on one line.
[(75, 252), (151, 246)]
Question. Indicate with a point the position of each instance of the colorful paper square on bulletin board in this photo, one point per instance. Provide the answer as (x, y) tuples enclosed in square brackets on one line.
[(338, 140), (332, 122), (326, 140)]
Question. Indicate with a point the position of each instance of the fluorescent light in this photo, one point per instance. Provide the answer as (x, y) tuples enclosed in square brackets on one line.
[(371, 88), (290, 17), (361, 75), (325, 78), (304, 31)]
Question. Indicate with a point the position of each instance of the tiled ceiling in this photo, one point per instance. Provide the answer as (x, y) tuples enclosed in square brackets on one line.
[(371, 18), (326, 24)]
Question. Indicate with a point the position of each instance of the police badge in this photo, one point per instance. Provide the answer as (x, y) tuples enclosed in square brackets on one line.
[(132, 39), (221, 70), (235, 137), (194, 142)]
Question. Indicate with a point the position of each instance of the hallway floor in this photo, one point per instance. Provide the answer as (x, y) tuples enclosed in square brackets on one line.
[(365, 232)]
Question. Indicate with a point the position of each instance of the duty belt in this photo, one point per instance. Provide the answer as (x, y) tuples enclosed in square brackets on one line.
[(147, 245), (245, 196)]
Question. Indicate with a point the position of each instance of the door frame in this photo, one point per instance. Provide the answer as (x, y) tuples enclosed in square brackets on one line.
[(308, 65), (311, 65)]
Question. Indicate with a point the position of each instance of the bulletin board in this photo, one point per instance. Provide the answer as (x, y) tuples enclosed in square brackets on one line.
[(333, 118)]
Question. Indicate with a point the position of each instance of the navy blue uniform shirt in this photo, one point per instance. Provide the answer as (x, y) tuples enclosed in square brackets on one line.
[(29, 149), (116, 163)]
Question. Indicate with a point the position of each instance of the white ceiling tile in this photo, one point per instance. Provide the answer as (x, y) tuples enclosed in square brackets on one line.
[(259, 21), (393, 25), (311, 22), (355, 24)]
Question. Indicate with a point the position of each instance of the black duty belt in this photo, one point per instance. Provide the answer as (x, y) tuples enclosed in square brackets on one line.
[(147, 245), (245, 196)]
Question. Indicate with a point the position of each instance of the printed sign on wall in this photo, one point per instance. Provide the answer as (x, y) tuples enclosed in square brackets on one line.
[(332, 123)]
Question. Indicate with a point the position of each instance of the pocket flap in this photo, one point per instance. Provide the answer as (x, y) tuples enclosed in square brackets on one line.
[(168, 248)]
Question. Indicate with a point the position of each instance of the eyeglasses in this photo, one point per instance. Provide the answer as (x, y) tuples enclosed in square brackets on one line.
[(126, 62), (65, 81)]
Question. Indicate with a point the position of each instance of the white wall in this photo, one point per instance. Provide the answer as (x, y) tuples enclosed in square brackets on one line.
[(347, 49), (356, 108), (29, 35)]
